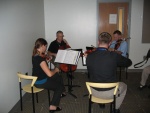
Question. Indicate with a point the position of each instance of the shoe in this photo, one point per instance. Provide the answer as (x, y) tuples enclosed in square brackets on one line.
[(63, 95), (141, 87), (57, 109)]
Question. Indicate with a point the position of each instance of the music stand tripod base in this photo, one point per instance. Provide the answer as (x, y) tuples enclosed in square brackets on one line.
[(70, 86)]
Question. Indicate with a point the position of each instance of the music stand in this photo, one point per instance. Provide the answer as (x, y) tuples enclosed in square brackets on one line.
[(81, 55), (70, 85), (87, 48), (70, 76), (69, 71)]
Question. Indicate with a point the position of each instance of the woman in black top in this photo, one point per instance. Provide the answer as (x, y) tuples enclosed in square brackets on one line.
[(46, 78)]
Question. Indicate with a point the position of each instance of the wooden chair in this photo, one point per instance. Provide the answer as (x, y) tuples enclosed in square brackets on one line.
[(29, 88), (101, 100)]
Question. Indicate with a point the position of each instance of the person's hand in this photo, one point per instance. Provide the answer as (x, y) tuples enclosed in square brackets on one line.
[(48, 58), (111, 49), (55, 55), (57, 70), (85, 54), (65, 41)]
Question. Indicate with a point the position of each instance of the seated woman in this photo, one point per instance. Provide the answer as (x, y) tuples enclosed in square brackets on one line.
[(47, 79)]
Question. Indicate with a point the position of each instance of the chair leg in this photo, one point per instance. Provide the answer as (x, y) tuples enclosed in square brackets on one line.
[(114, 104), (126, 73), (48, 97), (120, 74), (37, 97), (111, 108), (20, 96), (33, 100), (50, 65), (90, 104)]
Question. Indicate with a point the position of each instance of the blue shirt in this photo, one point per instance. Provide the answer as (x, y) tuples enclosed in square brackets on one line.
[(123, 47)]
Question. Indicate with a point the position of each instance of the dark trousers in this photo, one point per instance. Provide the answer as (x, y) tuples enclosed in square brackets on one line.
[(54, 83)]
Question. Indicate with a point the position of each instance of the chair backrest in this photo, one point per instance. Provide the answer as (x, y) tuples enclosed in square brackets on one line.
[(102, 85), (27, 77)]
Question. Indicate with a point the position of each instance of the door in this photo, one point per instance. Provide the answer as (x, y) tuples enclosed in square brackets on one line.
[(113, 16)]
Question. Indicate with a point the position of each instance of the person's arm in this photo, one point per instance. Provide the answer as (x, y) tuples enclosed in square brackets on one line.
[(123, 61), (47, 70), (119, 52), (66, 41), (112, 45), (112, 49), (51, 54), (123, 49)]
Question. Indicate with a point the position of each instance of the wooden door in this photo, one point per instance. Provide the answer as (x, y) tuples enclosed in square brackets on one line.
[(108, 12)]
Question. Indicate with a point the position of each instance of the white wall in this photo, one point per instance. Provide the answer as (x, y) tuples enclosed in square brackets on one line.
[(137, 49), (21, 23), (76, 18)]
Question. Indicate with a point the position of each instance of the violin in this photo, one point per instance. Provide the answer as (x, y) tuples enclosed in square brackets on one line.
[(43, 55), (90, 50), (67, 67), (117, 45)]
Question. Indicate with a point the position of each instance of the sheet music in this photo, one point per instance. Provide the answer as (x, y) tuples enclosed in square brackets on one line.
[(67, 56), (70, 57), (60, 56)]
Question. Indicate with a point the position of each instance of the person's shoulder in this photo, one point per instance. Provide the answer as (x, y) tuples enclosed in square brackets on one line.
[(124, 43), (113, 54), (54, 41), (37, 57)]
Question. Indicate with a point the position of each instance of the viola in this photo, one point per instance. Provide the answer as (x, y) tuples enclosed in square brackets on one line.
[(67, 67)]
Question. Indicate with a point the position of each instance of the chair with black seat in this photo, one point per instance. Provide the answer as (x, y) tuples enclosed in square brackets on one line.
[(99, 100), (29, 88)]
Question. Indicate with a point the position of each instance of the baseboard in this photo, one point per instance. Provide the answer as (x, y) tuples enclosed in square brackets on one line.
[(129, 70)]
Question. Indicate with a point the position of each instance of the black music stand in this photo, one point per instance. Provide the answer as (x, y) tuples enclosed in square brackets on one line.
[(70, 76), (70, 85), (81, 55), (69, 70), (87, 48)]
